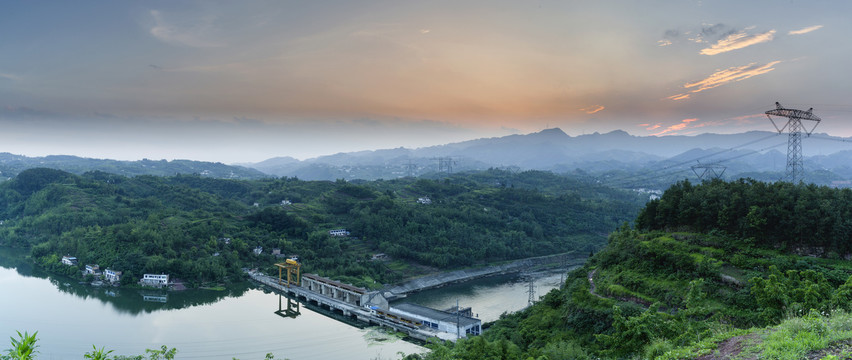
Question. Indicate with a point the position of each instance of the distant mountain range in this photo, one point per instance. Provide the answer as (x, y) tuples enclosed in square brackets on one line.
[(11, 165), (635, 161), (748, 153)]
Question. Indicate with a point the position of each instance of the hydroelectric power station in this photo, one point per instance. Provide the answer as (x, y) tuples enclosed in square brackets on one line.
[(370, 307)]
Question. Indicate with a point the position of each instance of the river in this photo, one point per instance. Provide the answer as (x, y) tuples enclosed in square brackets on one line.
[(491, 296), (238, 322)]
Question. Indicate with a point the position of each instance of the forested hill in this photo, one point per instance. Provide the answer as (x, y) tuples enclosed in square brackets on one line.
[(718, 270), (11, 165), (204, 230)]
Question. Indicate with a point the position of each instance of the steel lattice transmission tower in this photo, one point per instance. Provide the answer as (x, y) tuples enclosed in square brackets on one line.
[(715, 170), (794, 141)]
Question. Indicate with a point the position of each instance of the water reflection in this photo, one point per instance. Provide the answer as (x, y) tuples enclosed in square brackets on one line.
[(293, 308), (124, 300)]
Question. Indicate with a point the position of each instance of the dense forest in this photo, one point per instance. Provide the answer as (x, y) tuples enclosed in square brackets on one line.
[(710, 270), (205, 230)]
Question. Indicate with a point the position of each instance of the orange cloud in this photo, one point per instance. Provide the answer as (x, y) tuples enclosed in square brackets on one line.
[(722, 77), (805, 30), (747, 119), (593, 109), (684, 124), (737, 41)]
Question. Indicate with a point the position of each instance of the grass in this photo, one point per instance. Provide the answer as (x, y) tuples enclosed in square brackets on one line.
[(795, 338)]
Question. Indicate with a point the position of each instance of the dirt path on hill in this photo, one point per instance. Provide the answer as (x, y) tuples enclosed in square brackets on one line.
[(592, 284), (593, 291)]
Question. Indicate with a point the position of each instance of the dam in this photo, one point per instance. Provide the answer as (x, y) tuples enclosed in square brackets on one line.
[(371, 307)]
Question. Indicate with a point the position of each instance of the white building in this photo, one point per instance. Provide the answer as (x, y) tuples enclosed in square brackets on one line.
[(338, 232), (448, 325), (92, 269), (155, 280), (112, 275), (424, 200), (258, 250), (69, 260)]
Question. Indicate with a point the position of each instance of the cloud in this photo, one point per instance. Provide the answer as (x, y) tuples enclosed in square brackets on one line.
[(425, 31), (683, 124), (592, 109), (737, 41), (10, 76), (192, 35), (649, 126), (805, 30), (155, 67), (664, 42), (722, 77), (749, 119)]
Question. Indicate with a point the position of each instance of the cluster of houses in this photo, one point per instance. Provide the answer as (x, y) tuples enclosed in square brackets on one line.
[(338, 232), (114, 276)]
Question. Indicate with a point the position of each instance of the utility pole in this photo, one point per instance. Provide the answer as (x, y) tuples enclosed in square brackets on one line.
[(458, 320), (794, 125), (531, 291)]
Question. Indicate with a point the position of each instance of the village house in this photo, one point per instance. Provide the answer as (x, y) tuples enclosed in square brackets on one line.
[(424, 200), (158, 280), (69, 260), (112, 276), (258, 250), (92, 269)]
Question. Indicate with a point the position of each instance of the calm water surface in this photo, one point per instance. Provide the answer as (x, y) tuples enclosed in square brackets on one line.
[(207, 324), (489, 297), (201, 324)]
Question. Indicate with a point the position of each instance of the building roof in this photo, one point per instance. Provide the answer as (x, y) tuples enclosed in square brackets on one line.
[(338, 284), (436, 315)]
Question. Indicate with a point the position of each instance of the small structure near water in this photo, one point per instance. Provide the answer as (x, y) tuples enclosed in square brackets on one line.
[(156, 280), (69, 260)]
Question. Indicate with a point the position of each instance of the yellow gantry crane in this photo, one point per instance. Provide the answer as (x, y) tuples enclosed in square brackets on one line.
[(292, 267)]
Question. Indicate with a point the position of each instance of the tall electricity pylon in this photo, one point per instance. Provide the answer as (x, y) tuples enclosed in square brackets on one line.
[(715, 170), (794, 141)]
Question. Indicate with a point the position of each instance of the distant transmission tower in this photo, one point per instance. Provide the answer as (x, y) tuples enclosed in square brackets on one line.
[(794, 125), (531, 291), (715, 170), (410, 167), (445, 164)]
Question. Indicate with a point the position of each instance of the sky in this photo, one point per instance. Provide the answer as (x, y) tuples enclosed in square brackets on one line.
[(244, 81)]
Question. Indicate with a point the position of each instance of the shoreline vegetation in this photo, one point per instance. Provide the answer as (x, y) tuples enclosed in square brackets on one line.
[(204, 231), (740, 269)]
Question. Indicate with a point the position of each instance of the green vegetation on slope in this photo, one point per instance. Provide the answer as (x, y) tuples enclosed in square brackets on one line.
[(667, 291), (204, 230)]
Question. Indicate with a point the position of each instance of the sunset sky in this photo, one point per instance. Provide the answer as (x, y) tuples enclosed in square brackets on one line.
[(243, 81)]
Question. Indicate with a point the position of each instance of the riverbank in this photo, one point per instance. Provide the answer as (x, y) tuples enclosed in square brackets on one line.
[(441, 279)]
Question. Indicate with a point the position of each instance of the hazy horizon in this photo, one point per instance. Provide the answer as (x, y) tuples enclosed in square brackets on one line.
[(245, 82)]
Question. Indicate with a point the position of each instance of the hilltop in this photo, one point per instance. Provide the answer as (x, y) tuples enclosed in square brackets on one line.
[(710, 271), (11, 165)]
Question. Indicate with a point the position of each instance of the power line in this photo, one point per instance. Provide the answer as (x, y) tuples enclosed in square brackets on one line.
[(634, 177)]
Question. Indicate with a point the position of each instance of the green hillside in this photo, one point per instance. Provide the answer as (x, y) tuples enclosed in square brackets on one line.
[(718, 270), (204, 230)]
